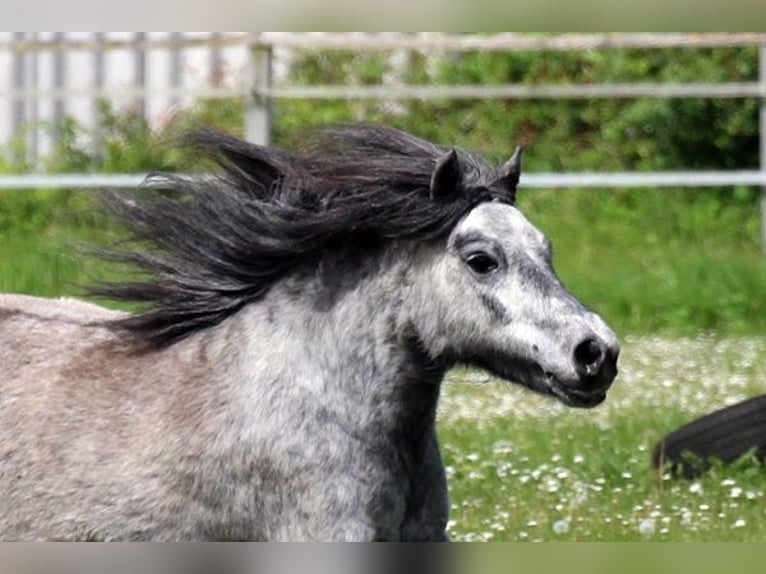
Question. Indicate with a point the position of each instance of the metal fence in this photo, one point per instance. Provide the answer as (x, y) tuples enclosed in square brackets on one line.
[(258, 57), (47, 76)]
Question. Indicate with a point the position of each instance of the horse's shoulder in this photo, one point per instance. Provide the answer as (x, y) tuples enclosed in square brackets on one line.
[(63, 309)]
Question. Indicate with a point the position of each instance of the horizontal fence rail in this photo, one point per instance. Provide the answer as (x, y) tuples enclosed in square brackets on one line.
[(429, 41), (530, 180), (71, 181), (506, 41), (520, 92), (733, 90)]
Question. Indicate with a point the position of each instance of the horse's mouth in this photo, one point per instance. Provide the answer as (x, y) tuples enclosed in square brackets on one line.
[(575, 397), (573, 393)]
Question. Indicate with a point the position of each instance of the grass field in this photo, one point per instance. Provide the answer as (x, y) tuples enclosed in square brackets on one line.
[(523, 467), (42, 239)]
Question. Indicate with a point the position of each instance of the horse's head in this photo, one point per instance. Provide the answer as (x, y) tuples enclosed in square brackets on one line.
[(500, 305)]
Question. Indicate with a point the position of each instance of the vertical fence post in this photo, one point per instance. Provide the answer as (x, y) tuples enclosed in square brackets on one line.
[(33, 102), (99, 66), (215, 76), (139, 72), (176, 68), (762, 136), (257, 97), (59, 83), (99, 81), (19, 84)]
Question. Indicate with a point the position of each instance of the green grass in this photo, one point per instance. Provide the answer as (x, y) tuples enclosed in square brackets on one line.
[(43, 239), (36, 265), (523, 467)]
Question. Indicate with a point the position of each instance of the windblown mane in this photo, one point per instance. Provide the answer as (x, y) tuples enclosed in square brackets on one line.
[(211, 245)]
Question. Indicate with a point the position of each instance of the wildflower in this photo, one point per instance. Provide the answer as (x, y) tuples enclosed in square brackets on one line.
[(561, 526), (581, 495), (552, 485), (695, 488), (646, 526), (739, 523)]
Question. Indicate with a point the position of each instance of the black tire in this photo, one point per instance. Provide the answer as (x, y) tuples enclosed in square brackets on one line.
[(724, 435)]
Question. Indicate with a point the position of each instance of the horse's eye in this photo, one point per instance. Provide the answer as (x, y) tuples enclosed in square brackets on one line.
[(481, 263)]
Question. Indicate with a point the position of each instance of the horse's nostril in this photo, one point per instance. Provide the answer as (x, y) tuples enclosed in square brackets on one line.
[(589, 356)]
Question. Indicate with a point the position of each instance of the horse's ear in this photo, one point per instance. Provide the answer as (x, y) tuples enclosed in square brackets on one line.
[(445, 178), (509, 173)]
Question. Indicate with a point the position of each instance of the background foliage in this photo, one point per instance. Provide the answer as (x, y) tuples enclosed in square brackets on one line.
[(651, 260)]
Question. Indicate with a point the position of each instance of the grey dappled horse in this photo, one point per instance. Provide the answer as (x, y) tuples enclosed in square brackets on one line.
[(281, 381)]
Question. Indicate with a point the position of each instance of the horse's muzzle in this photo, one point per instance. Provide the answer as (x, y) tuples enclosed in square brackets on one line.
[(595, 363)]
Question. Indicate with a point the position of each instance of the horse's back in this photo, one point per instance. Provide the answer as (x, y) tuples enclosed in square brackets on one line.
[(43, 309), (36, 333)]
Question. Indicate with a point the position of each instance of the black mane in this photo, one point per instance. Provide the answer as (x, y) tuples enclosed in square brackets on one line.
[(210, 245)]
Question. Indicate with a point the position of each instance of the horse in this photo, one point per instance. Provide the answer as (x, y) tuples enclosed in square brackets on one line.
[(295, 315)]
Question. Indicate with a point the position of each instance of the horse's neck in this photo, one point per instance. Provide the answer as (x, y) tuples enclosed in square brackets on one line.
[(345, 343)]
